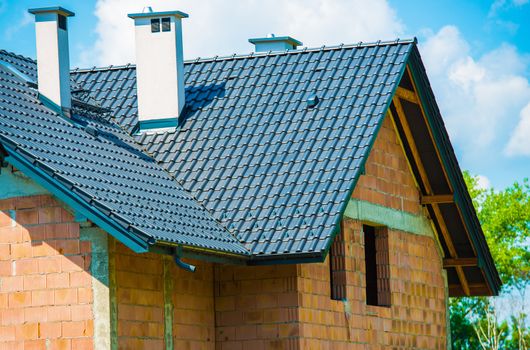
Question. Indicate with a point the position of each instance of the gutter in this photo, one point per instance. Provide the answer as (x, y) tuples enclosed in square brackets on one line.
[(136, 243)]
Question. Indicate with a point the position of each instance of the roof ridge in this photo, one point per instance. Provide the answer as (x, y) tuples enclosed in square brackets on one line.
[(13, 54), (105, 68), (360, 44)]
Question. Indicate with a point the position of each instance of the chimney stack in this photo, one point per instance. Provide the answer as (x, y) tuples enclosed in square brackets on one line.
[(53, 61), (275, 43), (159, 68)]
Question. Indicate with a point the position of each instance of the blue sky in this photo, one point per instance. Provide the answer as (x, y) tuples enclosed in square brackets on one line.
[(477, 53)]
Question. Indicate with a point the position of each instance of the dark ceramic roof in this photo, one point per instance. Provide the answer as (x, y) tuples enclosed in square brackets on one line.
[(253, 169), (274, 171), (108, 172)]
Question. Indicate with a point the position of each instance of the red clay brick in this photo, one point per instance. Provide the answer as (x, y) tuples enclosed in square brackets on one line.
[(27, 217), (58, 280), (19, 299), (26, 267), (35, 314), (50, 264), (56, 231), (74, 329), (12, 316), (7, 333), (34, 282), (49, 215), (73, 263), (81, 312), (7, 204), (65, 296), (27, 202), (5, 268), (82, 344), (80, 279), (21, 251), (35, 345), (59, 313), (5, 219), (84, 295), (27, 331), (50, 330), (42, 249), (42, 297), (5, 252), (66, 246), (61, 344)]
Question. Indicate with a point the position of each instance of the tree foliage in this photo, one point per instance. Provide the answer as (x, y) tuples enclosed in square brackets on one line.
[(505, 219)]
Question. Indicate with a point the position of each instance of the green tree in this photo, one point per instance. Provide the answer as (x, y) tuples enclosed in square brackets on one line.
[(505, 219)]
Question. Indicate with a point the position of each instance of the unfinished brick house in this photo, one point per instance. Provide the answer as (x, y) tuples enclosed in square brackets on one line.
[(286, 199)]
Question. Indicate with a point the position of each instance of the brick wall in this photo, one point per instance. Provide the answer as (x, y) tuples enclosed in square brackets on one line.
[(45, 284), (417, 316), (388, 180), (138, 293), (193, 302), (46, 288), (256, 307), (152, 295)]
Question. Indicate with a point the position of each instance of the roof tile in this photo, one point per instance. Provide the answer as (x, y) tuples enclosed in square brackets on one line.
[(109, 171), (273, 171)]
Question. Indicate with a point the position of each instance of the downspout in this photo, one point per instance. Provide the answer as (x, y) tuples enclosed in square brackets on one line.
[(177, 257)]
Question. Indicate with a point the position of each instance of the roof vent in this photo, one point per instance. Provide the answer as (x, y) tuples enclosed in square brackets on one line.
[(312, 100), (275, 43), (91, 130)]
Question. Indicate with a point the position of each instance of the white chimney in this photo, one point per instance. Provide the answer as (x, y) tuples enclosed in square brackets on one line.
[(159, 68), (275, 43), (53, 62)]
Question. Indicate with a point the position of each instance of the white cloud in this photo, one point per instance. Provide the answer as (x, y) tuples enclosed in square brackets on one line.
[(520, 141), (483, 182), (219, 27), (480, 98), (502, 4), (26, 19)]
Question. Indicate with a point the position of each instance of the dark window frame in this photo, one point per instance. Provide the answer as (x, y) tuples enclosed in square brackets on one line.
[(166, 24), (155, 25)]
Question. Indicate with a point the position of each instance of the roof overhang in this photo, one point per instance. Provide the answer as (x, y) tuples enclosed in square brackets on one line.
[(470, 267)]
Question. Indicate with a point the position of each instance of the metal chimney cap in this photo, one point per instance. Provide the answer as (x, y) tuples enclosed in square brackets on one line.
[(272, 38), (177, 14), (53, 9)]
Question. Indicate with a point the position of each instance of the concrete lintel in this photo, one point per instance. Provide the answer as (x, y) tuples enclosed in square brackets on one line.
[(392, 218)]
